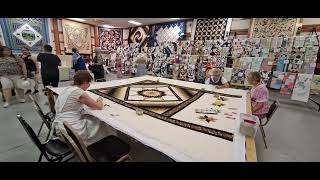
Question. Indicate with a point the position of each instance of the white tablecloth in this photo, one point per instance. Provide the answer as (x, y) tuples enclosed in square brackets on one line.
[(181, 144)]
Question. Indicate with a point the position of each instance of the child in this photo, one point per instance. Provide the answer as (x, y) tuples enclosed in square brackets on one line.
[(259, 95), (215, 78)]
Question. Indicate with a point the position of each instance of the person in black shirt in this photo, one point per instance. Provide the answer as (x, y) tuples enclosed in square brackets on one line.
[(49, 67), (32, 68)]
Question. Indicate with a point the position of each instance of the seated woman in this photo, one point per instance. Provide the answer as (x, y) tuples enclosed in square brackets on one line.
[(215, 78), (13, 73), (69, 106), (259, 95)]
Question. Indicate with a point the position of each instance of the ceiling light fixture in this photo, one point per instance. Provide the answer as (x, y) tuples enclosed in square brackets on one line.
[(77, 19), (134, 22), (174, 18), (108, 26)]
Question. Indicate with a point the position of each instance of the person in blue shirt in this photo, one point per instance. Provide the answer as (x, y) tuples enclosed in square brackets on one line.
[(77, 61), (216, 79)]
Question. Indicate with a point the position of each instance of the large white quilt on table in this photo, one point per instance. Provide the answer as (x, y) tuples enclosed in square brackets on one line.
[(173, 128)]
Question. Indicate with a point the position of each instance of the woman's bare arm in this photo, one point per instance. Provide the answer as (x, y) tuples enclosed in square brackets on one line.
[(87, 100)]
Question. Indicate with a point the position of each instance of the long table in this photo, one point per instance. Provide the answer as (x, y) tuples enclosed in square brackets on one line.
[(180, 135)]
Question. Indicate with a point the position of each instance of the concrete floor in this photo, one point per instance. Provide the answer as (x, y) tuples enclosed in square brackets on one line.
[(291, 134)]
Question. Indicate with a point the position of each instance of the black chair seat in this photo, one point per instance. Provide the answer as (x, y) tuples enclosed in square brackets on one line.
[(109, 149), (57, 148)]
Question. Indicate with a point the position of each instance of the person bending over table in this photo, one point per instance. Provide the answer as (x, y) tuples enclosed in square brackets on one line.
[(216, 78), (259, 95), (69, 108)]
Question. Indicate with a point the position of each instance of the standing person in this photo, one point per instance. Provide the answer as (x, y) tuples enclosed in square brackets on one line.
[(32, 68), (12, 74), (49, 67), (119, 66), (97, 65), (259, 95), (77, 61)]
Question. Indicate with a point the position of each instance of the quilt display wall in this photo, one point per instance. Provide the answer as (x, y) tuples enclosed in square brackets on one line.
[(139, 35), (270, 56), (76, 35), (274, 27), (110, 39), (21, 32), (210, 29)]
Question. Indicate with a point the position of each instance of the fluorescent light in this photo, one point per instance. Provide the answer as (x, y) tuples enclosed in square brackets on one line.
[(175, 18), (134, 22), (108, 26), (182, 33), (77, 19)]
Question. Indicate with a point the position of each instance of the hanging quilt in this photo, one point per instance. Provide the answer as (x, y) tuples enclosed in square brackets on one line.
[(111, 39), (311, 41), (315, 85), (296, 59), (288, 83), (248, 71), (299, 41), (245, 62), (139, 35), (256, 63), (274, 27), (169, 32), (191, 73), (227, 73), (287, 42), (200, 72), (76, 35), (280, 65), (266, 64), (209, 29), (276, 79), (25, 32), (265, 43), (301, 89), (183, 72), (238, 76), (265, 77)]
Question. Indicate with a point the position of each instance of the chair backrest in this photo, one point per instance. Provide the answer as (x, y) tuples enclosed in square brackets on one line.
[(79, 142), (72, 145), (31, 133), (44, 118), (274, 106)]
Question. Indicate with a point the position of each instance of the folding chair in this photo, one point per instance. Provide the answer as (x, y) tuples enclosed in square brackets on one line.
[(108, 149), (72, 145), (55, 148), (270, 113), (47, 119)]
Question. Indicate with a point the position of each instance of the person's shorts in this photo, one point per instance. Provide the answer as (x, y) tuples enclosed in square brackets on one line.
[(10, 82)]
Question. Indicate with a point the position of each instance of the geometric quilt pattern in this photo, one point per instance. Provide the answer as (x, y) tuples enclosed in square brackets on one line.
[(169, 32), (21, 32), (110, 39), (139, 35), (210, 29), (274, 27), (76, 35), (161, 101)]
